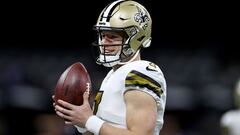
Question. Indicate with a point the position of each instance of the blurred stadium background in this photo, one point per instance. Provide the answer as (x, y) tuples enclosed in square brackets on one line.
[(193, 43)]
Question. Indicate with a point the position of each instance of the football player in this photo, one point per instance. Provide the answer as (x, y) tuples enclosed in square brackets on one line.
[(132, 97), (230, 121)]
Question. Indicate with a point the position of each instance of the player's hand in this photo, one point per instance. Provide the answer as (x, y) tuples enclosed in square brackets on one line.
[(73, 114)]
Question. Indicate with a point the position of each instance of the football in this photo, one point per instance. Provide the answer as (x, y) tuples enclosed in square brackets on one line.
[(73, 82)]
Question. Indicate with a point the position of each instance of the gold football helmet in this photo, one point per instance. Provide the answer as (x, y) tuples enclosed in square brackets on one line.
[(128, 17)]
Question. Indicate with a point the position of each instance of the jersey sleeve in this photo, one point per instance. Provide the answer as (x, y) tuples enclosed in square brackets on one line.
[(148, 78)]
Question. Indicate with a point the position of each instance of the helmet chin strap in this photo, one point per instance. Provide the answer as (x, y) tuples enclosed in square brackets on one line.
[(115, 59), (111, 64), (109, 58)]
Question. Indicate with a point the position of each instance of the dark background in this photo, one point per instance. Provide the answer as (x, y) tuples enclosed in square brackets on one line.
[(55, 24), (194, 43)]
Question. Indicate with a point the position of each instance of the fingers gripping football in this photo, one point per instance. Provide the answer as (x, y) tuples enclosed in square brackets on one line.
[(74, 114)]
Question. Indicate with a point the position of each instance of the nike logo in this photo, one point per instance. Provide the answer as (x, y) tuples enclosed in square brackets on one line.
[(123, 18), (150, 68)]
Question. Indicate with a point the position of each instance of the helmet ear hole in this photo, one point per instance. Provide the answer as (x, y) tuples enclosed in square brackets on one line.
[(147, 43), (127, 52)]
